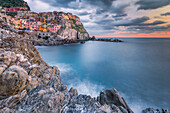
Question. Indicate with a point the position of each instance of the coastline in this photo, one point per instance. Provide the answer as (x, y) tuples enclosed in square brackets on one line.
[(27, 65), (22, 56), (28, 83), (71, 41)]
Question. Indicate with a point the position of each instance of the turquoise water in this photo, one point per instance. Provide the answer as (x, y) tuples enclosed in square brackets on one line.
[(138, 68)]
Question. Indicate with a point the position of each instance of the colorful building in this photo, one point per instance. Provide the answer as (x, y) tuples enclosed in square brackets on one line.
[(45, 22), (54, 28)]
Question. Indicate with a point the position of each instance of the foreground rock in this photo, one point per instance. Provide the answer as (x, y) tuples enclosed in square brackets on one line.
[(28, 84), (112, 97), (12, 81)]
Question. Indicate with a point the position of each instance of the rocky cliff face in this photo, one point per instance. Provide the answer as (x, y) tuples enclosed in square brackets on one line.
[(72, 30)]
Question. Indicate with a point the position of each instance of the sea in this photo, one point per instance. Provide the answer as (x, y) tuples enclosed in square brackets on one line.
[(139, 68)]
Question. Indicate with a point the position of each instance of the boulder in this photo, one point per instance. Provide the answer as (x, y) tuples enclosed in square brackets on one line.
[(12, 81), (73, 91), (112, 96)]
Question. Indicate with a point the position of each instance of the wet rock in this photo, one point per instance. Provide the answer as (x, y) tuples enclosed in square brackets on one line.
[(152, 110), (112, 96), (105, 40), (93, 38), (81, 104), (83, 42), (73, 91)]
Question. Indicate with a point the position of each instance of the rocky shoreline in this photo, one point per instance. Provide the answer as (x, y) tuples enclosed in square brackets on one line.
[(105, 39), (71, 41), (28, 84)]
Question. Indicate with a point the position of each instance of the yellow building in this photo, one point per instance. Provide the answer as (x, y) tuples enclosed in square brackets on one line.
[(66, 17)]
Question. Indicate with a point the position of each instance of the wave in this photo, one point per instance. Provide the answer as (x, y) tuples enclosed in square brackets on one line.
[(135, 103), (40, 47), (86, 87), (64, 68)]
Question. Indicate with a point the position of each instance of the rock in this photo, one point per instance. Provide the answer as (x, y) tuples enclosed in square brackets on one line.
[(151, 110), (7, 58), (12, 81), (112, 96), (106, 40), (12, 100), (83, 42), (73, 91), (68, 31), (23, 54), (42, 100), (93, 38), (8, 110), (81, 104)]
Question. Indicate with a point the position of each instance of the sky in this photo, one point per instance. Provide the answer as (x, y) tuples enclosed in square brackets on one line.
[(114, 18)]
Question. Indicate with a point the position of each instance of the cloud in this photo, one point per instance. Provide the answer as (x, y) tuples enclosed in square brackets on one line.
[(152, 4), (165, 14), (136, 21), (157, 22), (119, 15), (150, 29), (108, 16), (83, 13)]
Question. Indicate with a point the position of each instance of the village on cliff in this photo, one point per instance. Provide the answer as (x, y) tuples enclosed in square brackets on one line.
[(44, 23)]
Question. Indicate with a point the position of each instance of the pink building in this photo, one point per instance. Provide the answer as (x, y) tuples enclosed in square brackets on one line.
[(15, 9), (32, 25), (54, 28)]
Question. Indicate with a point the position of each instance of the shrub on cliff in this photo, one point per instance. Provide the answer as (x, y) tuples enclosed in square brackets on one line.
[(13, 3)]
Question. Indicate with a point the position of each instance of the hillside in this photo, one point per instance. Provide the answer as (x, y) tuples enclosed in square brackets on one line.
[(13, 3), (59, 25)]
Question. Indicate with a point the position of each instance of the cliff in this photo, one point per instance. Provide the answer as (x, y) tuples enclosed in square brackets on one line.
[(73, 30)]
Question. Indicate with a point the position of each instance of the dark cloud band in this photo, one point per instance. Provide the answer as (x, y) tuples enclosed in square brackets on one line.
[(152, 4)]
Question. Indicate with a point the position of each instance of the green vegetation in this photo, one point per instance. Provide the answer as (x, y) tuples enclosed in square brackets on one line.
[(13, 3), (74, 22), (12, 14), (79, 28)]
